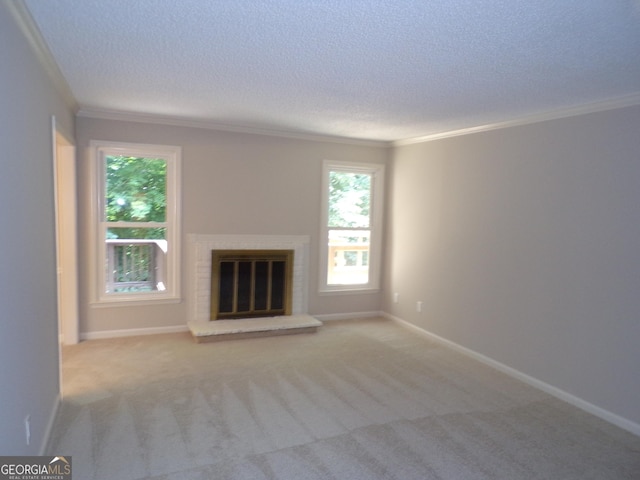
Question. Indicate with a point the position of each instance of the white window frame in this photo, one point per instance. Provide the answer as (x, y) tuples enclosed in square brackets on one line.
[(376, 218), (173, 156)]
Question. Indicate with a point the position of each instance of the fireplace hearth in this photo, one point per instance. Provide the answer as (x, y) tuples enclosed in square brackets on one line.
[(199, 271)]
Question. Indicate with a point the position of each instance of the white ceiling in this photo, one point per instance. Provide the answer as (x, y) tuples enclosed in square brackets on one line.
[(366, 69)]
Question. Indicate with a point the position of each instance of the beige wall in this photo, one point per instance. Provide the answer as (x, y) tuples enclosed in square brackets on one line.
[(29, 383), (232, 183), (523, 244)]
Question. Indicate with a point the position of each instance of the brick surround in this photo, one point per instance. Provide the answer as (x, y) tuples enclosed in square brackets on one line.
[(199, 266)]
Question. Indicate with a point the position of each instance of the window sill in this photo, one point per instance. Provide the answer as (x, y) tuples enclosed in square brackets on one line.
[(134, 302)]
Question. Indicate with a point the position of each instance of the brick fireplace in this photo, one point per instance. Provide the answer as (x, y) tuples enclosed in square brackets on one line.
[(200, 262)]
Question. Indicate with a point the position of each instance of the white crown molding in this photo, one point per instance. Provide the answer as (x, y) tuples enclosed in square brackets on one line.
[(105, 114), (610, 104), (27, 25)]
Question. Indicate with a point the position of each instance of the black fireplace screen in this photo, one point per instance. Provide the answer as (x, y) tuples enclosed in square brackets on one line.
[(250, 283)]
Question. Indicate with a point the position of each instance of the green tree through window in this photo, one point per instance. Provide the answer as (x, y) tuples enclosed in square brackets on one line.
[(349, 199), (135, 192)]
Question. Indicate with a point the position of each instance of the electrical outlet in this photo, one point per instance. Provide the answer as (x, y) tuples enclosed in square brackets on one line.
[(396, 297), (27, 428), (419, 306)]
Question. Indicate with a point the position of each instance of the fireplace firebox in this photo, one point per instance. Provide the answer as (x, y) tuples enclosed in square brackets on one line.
[(251, 283)]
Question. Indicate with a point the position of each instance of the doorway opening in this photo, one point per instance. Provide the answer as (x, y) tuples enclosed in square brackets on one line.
[(64, 170)]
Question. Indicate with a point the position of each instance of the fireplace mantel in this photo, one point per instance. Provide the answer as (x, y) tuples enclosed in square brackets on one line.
[(199, 266)]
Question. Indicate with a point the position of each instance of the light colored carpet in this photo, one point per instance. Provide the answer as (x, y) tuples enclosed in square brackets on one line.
[(363, 399)]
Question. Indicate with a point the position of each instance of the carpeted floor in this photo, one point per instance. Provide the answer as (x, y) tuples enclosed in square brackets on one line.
[(362, 399)]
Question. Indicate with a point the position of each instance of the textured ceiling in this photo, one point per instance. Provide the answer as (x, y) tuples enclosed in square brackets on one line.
[(367, 69)]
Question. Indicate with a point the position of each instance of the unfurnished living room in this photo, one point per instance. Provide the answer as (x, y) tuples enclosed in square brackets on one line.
[(278, 239)]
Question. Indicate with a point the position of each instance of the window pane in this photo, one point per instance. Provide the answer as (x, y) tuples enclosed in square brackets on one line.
[(135, 260), (261, 285), (135, 189), (278, 276), (348, 257), (244, 286), (227, 287), (349, 199)]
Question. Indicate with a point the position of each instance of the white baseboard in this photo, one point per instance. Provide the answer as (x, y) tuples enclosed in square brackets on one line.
[(606, 415), (49, 427), (346, 316), (99, 335), (132, 332)]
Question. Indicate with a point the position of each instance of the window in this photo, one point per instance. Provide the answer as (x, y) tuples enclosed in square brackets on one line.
[(351, 226), (137, 206)]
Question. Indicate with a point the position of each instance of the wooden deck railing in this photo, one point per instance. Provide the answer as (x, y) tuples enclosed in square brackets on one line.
[(348, 263), (134, 265)]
